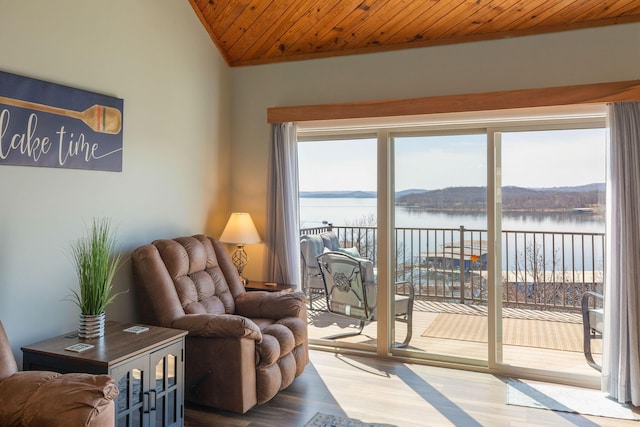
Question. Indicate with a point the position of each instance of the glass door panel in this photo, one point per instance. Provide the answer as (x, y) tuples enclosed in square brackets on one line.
[(130, 403), (337, 180), (553, 224), (440, 242), (164, 386)]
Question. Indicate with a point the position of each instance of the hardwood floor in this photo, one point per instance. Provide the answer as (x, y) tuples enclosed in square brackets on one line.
[(383, 391)]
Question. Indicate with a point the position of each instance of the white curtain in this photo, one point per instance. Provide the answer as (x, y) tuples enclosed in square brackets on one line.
[(621, 352), (283, 217)]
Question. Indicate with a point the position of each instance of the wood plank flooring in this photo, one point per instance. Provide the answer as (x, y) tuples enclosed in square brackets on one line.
[(384, 391)]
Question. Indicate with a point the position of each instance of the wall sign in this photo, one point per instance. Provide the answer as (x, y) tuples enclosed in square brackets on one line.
[(50, 125)]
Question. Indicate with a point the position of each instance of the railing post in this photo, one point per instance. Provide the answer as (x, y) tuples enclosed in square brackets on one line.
[(462, 289)]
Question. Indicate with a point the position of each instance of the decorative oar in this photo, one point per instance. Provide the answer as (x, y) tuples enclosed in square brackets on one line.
[(98, 117)]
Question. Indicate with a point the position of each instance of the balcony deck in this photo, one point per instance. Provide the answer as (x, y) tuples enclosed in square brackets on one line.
[(531, 338)]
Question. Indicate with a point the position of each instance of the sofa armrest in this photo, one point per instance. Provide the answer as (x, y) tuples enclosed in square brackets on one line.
[(42, 398), (218, 326), (271, 305)]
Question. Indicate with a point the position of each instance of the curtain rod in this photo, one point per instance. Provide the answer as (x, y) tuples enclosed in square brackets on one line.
[(510, 99)]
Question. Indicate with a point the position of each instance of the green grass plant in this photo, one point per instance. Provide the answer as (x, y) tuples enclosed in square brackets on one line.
[(92, 256)]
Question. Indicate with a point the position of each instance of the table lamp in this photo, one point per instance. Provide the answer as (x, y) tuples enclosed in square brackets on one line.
[(240, 231)]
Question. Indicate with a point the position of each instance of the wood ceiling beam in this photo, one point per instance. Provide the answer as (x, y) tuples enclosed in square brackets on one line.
[(487, 101)]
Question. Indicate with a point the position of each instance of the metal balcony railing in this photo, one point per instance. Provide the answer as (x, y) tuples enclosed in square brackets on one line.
[(540, 270)]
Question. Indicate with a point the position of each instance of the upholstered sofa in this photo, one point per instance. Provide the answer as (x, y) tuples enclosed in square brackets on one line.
[(48, 399), (242, 347)]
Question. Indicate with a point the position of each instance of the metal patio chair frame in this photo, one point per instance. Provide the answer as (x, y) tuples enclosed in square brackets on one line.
[(351, 291), (593, 324)]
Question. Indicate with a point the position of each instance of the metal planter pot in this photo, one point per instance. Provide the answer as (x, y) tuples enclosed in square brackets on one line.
[(91, 326)]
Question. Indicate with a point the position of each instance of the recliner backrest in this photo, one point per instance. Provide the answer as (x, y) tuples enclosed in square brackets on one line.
[(187, 275)]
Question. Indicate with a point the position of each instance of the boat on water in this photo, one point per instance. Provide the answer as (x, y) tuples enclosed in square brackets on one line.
[(473, 253)]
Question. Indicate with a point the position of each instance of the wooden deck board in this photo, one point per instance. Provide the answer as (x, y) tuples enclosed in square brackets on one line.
[(323, 324)]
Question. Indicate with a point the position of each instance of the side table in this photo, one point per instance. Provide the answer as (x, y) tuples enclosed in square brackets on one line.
[(254, 285), (148, 368)]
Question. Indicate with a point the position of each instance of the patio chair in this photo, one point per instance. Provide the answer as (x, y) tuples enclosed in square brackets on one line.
[(593, 324), (351, 291), (311, 246)]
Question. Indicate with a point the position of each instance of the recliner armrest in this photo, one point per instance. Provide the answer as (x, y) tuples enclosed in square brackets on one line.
[(218, 326), (271, 305), (43, 398)]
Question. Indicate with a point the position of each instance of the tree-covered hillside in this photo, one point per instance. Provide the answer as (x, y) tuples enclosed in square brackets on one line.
[(513, 199)]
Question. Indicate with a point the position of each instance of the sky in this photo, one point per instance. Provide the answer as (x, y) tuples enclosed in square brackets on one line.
[(529, 159)]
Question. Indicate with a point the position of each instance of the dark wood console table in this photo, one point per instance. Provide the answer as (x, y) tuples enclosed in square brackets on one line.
[(148, 368)]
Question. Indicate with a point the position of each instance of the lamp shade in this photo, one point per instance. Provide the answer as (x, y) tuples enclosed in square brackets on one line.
[(240, 230)]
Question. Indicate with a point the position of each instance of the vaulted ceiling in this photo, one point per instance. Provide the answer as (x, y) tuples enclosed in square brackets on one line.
[(249, 32)]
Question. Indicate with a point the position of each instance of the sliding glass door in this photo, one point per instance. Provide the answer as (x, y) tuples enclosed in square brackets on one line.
[(493, 229), (441, 240), (553, 225), (338, 197)]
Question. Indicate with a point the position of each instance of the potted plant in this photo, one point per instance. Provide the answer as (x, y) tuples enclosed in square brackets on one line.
[(95, 267)]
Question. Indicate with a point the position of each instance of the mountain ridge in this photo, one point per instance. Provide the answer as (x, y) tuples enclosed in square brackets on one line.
[(372, 194), (584, 198)]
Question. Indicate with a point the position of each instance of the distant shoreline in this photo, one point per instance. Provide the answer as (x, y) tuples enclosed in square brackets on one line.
[(584, 199), (599, 210), (364, 194)]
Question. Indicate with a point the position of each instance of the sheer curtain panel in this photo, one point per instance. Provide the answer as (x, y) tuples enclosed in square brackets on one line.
[(283, 254), (621, 352)]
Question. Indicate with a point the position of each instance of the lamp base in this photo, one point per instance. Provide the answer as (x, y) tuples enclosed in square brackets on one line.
[(239, 259)]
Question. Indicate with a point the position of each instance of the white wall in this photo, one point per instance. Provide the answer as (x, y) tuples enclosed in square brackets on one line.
[(568, 58), (175, 86)]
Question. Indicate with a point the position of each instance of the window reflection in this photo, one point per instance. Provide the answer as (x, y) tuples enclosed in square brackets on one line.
[(122, 402), (172, 362), (160, 376), (136, 385)]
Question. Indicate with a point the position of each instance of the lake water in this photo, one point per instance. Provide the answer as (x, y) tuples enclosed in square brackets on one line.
[(343, 211), (571, 252)]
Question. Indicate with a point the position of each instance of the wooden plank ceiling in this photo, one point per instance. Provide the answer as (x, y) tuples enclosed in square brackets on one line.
[(249, 32)]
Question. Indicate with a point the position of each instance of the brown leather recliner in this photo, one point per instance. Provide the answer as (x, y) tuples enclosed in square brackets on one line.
[(243, 347), (42, 398)]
